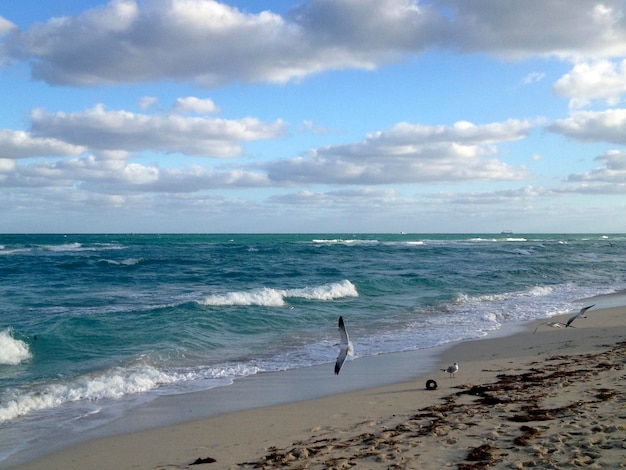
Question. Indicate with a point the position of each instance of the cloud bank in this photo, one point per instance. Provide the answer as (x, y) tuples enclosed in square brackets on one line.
[(410, 153), (210, 43), (115, 157), (100, 129), (406, 153), (594, 126)]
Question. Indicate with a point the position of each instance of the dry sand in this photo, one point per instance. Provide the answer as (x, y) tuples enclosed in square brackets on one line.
[(550, 399)]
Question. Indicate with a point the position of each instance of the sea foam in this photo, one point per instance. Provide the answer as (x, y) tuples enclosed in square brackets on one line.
[(12, 351), (268, 297), (112, 384), (124, 262), (77, 247)]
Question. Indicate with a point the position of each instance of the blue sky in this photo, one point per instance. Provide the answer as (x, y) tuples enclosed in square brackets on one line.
[(312, 116)]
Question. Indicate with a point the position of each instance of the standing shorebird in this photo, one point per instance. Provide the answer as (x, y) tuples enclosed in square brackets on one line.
[(345, 347), (453, 369)]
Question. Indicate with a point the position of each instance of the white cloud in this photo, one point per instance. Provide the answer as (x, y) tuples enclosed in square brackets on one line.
[(98, 128), (6, 26), (594, 126), (199, 40), (502, 197), (407, 153), (574, 29), (313, 128), (533, 77), (365, 195), (196, 178), (195, 105), (613, 171), (21, 144), (410, 153), (112, 154), (99, 175), (147, 101), (599, 80), (212, 43), (6, 165)]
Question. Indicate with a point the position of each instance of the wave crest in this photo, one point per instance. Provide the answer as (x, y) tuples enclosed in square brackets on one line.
[(268, 297), (124, 262), (335, 290), (264, 297), (12, 351), (113, 384)]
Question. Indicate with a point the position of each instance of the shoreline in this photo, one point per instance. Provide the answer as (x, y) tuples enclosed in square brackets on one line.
[(237, 436), (255, 391)]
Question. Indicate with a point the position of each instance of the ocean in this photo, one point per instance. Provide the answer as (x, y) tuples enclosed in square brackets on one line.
[(92, 326)]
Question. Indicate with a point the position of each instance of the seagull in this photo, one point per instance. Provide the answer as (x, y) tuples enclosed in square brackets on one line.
[(453, 369), (582, 311), (553, 324), (345, 347)]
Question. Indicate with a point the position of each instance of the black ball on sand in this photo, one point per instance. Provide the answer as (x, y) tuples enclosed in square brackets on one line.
[(431, 385)]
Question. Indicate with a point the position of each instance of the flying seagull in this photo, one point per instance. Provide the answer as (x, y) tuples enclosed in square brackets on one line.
[(582, 311), (345, 347), (553, 324), (453, 369)]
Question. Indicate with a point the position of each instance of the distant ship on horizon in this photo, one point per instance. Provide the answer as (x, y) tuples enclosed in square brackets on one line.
[(506, 232)]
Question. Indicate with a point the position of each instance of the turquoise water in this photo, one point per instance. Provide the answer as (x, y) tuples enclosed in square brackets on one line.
[(94, 323)]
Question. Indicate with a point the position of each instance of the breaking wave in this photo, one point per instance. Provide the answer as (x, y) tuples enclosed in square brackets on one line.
[(12, 351), (268, 297)]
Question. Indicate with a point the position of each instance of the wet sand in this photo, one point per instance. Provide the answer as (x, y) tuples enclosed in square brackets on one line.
[(550, 399)]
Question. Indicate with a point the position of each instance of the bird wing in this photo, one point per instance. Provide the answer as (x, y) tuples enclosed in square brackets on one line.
[(342, 331), (582, 311), (342, 357), (344, 346)]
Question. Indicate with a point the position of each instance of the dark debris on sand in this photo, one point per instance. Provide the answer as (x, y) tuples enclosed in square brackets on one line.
[(496, 407), (202, 461)]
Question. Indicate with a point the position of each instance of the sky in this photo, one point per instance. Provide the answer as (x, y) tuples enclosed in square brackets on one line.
[(199, 116)]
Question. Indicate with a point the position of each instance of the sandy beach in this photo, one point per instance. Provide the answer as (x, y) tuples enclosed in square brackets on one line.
[(553, 398)]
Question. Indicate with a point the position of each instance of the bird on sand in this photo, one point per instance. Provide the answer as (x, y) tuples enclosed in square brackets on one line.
[(345, 347), (453, 369), (581, 313)]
